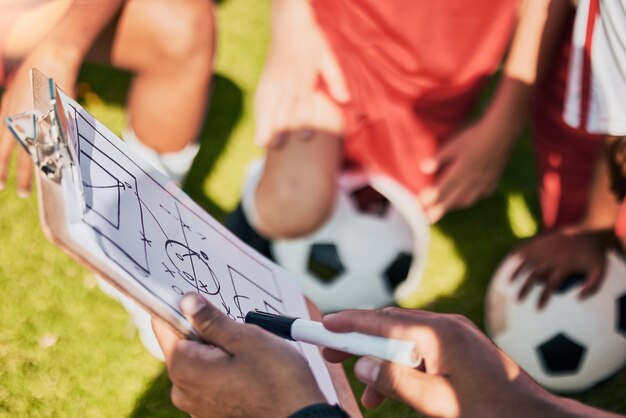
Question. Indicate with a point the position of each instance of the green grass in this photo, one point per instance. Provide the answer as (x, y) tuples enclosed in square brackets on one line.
[(68, 350)]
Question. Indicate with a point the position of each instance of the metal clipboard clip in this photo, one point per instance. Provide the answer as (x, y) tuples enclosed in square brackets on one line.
[(45, 134), (43, 131)]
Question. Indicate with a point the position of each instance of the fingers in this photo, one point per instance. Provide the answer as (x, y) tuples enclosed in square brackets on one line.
[(24, 165), (6, 150), (282, 115), (553, 282), (211, 324), (449, 191), (165, 336), (445, 154), (186, 360), (594, 278), (445, 199), (269, 104), (552, 279), (375, 322), (24, 172), (534, 262), (455, 198), (533, 277), (371, 398), (335, 356), (262, 125), (429, 165), (521, 267), (408, 385), (334, 78), (432, 195), (395, 323), (181, 399)]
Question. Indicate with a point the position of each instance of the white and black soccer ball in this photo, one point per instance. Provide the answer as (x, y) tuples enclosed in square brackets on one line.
[(370, 252), (570, 345)]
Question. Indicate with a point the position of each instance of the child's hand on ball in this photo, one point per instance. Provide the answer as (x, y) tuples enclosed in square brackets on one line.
[(554, 257)]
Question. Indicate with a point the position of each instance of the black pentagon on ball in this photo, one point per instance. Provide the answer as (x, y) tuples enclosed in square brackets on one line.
[(370, 202), (561, 355), (621, 315), (324, 262), (398, 270)]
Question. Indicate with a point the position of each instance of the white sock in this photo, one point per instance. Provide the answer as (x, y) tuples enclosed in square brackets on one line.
[(175, 164)]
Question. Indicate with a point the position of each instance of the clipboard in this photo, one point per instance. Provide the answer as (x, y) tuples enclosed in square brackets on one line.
[(66, 164), (44, 135)]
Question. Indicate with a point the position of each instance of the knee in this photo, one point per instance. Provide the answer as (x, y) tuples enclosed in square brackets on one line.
[(291, 208), (184, 31)]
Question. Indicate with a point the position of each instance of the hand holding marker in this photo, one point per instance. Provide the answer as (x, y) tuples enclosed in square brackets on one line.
[(296, 329)]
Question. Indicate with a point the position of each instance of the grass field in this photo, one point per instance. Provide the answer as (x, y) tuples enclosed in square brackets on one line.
[(68, 350)]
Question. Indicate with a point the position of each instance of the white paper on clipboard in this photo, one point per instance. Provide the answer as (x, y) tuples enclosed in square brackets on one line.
[(132, 219)]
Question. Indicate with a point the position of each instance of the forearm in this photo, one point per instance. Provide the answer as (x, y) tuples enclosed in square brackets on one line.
[(70, 41), (603, 205), (539, 28), (289, 14)]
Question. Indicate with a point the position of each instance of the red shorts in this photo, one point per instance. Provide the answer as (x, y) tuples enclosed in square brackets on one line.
[(414, 70), (566, 156)]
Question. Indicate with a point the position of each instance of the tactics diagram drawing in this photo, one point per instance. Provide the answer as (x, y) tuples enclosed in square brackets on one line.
[(125, 220), (152, 232)]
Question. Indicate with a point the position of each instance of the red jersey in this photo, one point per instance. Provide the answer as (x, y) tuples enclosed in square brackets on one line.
[(414, 70)]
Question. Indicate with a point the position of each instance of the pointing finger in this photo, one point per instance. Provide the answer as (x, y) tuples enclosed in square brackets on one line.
[(410, 386)]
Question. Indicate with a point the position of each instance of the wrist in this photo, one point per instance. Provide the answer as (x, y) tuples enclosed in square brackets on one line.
[(569, 408), (530, 400), (300, 397)]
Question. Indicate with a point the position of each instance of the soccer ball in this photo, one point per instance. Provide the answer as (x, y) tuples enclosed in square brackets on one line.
[(370, 252), (570, 345)]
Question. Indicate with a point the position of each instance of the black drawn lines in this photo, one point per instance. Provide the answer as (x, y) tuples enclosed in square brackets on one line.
[(144, 239), (171, 272), (92, 204), (244, 287), (106, 187), (183, 254)]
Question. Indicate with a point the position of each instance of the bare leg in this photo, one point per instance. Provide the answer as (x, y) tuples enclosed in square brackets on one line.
[(29, 26), (53, 36), (296, 192), (169, 45)]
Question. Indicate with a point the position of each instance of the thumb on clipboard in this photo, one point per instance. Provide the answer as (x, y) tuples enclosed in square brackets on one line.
[(209, 380)]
